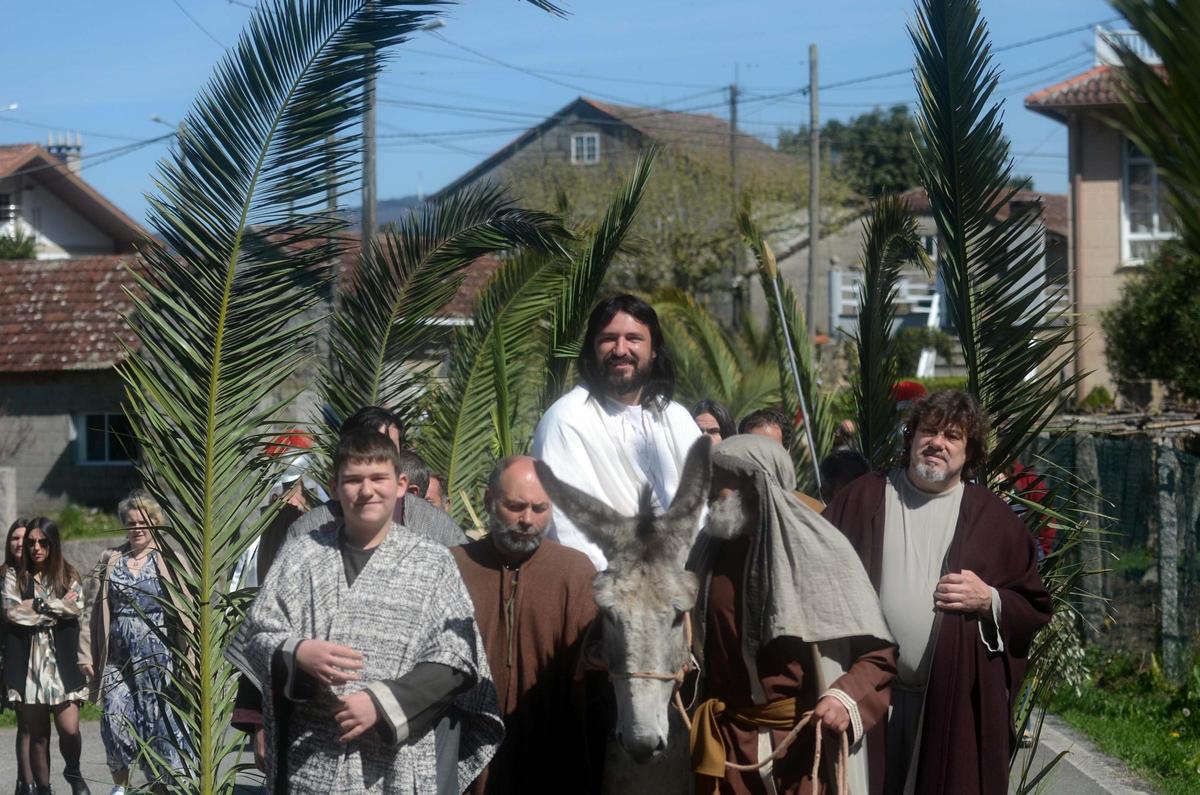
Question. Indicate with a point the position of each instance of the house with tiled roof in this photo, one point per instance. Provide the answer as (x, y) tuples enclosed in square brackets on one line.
[(1118, 214), (61, 425), (587, 134), (43, 196)]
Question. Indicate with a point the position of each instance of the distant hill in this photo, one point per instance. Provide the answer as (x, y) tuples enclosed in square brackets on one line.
[(386, 210)]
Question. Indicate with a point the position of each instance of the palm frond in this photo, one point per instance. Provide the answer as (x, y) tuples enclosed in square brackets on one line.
[(489, 400), (382, 327), (711, 363), (1002, 304), (820, 419), (891, 240), (590, 266), (1162, 102)]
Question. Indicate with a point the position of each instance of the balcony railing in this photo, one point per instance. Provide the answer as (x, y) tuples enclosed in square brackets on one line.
[(1108, 41)]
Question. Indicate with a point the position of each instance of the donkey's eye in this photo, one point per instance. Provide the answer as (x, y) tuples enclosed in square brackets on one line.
[(679, 614)]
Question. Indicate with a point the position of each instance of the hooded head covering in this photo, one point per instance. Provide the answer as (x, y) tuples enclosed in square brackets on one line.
[(803, 579)]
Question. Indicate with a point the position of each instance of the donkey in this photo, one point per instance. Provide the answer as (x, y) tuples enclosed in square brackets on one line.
[(644, 599)]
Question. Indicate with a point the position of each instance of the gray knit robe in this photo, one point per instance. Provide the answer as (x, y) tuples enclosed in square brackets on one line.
[(407, 606)]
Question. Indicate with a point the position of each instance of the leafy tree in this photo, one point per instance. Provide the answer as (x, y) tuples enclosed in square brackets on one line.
[(873, 152), (686, 234), (1157, 317), (911, 341)]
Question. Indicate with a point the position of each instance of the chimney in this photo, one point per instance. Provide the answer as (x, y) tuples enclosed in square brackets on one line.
[(61, 147)]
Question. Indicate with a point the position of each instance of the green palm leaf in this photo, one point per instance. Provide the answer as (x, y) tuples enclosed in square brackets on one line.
[(711, 363), (473, 414), (383, 323), (1004, 310), (891, 239), (586, 276)]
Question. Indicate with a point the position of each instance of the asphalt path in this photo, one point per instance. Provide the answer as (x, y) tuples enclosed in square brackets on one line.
[(1083, 771)]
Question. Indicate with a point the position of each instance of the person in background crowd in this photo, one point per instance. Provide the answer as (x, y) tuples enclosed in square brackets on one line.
[(128, 625), (843, 437), (618, 431), (957, 577), (14, 551), (714, 420), (533, 603), (414, 468), (841, 468), (435, 494), (47, 659), (770, 422)]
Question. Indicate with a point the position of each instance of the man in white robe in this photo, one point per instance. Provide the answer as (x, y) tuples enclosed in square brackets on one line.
[(618, 430), (365, 636)]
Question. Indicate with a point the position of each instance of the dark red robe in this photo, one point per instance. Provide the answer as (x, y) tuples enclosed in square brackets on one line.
[(967, 734)]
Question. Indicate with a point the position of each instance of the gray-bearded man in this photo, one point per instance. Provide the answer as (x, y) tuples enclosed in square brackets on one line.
[(786, 622)]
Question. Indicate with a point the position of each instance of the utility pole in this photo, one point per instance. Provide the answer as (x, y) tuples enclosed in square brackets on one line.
[(735, 298), (814, 188), (368, 186)]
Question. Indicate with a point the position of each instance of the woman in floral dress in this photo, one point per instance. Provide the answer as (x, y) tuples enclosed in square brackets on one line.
[(46, 667), (127, 629)]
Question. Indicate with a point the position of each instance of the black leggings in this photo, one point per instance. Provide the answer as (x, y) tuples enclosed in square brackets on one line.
[(33, 720)]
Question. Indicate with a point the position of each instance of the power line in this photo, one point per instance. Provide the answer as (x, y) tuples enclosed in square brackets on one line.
[(196, 22), (60, 128), (96, 158)]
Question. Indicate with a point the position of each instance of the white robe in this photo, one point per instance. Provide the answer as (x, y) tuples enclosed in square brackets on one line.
[(609, 452)]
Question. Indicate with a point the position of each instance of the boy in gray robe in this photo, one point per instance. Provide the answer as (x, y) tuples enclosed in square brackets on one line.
[(365, 635)]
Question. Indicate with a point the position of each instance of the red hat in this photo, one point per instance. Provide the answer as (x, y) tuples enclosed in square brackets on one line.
[(288, 442), (908, 391)]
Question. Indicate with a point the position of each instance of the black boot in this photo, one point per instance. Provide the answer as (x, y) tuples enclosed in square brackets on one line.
[(75, 779), (24, 789), (41, 789)]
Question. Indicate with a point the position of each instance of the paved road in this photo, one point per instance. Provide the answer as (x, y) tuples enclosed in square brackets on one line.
[(1083, 771), (92, 763)]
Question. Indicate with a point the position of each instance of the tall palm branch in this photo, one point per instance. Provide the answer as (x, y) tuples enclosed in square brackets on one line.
[(381, 329), (819, 402), (1161, 101), (1004, 308), (221, 315), (732, 369), (891, 240)]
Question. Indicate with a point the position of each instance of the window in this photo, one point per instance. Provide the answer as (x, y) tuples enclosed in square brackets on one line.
[(585, 148), (106, 439), (7, 211), (1146, 219)]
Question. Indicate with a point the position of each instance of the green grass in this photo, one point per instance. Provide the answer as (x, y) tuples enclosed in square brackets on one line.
[(75, 521), (1130, 712), (90, 711)]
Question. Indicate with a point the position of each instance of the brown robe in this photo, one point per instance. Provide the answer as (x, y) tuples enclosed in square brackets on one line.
[(786, 668), (533, 663), (967, 735)]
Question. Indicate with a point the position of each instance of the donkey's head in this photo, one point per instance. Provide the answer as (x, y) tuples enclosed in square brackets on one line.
[(644, 596)]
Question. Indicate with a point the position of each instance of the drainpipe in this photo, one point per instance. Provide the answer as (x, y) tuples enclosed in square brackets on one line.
[(1075, 158)]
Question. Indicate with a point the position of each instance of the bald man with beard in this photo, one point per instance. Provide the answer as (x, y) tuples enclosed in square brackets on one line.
[(533, 603)]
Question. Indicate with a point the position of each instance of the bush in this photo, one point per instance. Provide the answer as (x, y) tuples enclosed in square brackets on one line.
[(18, 246), (1097, 401), (1157, 318), (75, 521)]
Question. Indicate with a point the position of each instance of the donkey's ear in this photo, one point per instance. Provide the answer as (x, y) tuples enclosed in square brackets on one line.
[(602, 525), (692, 494)]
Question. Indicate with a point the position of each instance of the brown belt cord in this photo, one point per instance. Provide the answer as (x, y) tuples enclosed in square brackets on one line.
[(840, 766)]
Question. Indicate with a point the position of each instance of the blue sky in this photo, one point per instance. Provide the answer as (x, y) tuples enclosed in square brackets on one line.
[(105, 68)]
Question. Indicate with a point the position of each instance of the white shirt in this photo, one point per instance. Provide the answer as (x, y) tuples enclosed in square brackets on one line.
[(611, 451)]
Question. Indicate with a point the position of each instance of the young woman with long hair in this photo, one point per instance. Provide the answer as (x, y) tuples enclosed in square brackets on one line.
[(14, 551), (46, 668)]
